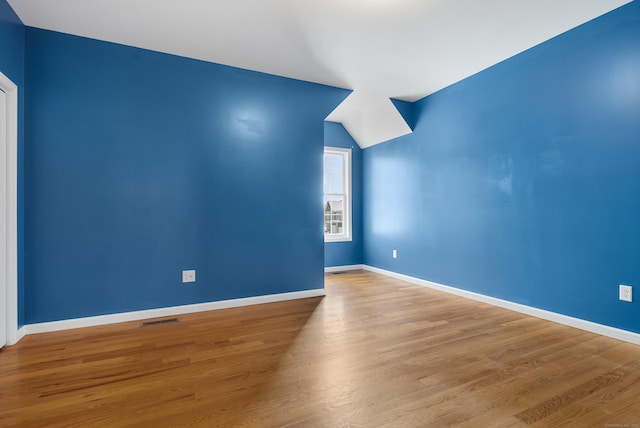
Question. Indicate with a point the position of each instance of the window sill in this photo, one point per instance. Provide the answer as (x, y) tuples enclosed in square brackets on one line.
[(341, 239)]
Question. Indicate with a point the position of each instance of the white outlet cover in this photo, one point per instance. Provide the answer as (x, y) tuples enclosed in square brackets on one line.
[(626, 293), (189, 275), (395, 254)]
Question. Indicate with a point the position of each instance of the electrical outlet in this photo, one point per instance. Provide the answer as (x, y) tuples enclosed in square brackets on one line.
[(189, 275), (395, 254), (625, 293)]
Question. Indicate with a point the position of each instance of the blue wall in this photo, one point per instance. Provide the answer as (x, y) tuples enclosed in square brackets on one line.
[(142, 164), (520, 182), (12, 49), (523, 182), (346, 253)]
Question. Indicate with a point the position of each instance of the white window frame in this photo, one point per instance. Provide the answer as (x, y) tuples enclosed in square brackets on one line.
[(346, 215)]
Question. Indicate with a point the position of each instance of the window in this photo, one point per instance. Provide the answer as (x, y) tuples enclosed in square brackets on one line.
[(337, 194)]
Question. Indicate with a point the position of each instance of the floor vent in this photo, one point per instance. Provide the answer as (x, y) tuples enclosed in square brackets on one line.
[(339, 273), (156, 322)]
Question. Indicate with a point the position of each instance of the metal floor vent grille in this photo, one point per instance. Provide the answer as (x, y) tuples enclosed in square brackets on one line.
[(156, 322), (339, 273)]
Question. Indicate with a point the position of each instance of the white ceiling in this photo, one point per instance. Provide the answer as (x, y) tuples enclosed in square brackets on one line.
[(381, 49)]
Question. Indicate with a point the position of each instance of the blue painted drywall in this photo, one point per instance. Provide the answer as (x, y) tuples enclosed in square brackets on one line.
[(522, 182), (142, 164), (350, 252), (12, 51), (407, 110)]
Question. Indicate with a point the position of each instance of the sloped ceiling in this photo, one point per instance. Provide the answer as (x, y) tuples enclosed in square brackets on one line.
[(381, 49)]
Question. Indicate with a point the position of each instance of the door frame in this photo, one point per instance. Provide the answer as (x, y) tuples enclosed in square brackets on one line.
[(11, 275)]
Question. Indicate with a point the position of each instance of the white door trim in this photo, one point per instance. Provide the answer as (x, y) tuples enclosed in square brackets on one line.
[(11, 275)]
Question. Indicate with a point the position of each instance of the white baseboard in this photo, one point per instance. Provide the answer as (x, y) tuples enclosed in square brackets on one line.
[(19, 334), (47, 327), (346, 268), (604, 330), (601, 329)]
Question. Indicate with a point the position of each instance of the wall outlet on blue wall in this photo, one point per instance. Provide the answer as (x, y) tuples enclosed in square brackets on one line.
[(625, 293), (395, 254), (189, 275)]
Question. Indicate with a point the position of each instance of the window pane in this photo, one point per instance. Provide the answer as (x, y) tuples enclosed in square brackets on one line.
[(333, 183), (332, 164), (333, 210)]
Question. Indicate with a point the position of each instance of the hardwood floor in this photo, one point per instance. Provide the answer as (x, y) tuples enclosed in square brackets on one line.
[(375, 352)]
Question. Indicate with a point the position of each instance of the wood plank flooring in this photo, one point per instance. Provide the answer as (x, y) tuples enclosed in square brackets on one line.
[(375, 352)]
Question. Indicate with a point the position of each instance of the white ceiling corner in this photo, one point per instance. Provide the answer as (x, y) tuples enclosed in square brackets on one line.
[(370, 119), (381, 49)]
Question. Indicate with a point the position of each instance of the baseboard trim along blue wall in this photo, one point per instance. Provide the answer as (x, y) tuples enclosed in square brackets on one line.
[(592, 327), (209, 306), (521, 182), (343, 268), (47, 327)]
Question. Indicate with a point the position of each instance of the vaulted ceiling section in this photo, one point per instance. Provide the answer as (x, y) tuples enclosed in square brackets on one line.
[(380, 49)]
